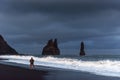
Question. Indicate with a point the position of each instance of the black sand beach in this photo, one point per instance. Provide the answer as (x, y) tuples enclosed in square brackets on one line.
[(18, 73)]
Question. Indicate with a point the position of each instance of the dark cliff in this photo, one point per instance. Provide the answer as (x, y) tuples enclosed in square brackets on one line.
[(5, 48)]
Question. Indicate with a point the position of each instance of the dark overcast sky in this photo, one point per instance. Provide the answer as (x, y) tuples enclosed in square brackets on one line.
[(28, 24)]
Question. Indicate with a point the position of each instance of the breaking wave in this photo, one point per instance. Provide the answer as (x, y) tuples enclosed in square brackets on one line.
[(100, 67)]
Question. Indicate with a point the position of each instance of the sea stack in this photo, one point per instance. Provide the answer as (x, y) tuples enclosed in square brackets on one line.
[(51, 48), (82, 52), (5, 48)]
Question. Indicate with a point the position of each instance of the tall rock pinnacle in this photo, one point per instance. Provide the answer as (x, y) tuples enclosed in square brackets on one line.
[(82, 52), (51, 48)]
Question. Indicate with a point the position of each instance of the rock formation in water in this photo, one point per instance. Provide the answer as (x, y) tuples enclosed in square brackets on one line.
[(51, 48), (82, 52), (5, 48)]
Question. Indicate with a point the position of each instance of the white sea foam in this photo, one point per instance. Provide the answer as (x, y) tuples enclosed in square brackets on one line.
[(101, 67)]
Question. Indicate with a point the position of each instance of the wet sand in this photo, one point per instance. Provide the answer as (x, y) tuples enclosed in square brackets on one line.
[(18, 73)]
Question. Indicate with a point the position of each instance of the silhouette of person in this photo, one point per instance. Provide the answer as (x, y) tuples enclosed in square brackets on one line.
[(31, 63)]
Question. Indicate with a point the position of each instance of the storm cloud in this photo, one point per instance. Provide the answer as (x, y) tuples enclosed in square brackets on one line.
[(28, 24)]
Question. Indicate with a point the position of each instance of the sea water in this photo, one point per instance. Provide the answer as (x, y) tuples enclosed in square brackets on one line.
[(106, 65)]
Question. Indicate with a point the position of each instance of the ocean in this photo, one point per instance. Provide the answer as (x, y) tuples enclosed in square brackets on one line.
[(104, 65)]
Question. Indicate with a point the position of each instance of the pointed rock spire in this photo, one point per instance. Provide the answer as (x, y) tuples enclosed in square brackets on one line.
[(51, 48), (55, 43), (82, 52)]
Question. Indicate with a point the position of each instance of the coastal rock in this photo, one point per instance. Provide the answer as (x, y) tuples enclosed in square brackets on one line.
[(82, 52), (51, 48), (5, 48)]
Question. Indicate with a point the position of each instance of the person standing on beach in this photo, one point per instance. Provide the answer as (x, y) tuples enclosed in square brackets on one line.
[(31, 63)]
